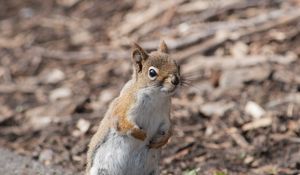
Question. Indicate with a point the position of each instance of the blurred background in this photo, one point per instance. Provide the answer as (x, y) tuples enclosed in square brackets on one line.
[(63, 61)]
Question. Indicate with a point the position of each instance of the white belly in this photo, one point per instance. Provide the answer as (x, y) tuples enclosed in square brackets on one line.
[(123, 155)]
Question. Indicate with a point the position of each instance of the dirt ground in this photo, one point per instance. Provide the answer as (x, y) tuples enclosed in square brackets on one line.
[(22, 165), (62, 62)]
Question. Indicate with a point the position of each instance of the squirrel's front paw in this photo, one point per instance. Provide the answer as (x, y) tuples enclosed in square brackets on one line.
[(138, 133), (159, 140)]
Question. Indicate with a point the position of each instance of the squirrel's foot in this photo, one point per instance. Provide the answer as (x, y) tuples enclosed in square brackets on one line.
[(159, 140), (138, 133)]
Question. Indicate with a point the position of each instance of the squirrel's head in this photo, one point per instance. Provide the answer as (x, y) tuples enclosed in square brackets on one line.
[(156, 69)]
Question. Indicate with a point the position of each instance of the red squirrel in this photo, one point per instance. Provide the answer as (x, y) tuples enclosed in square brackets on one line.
[(137, 122)]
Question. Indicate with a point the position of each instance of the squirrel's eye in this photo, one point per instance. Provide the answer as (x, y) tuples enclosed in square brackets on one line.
[(153, 73)]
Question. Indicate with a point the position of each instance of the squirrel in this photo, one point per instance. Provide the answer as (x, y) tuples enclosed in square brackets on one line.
[(137, 123)]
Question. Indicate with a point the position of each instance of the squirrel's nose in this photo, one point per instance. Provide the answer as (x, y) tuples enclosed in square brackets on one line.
[(175, 80)]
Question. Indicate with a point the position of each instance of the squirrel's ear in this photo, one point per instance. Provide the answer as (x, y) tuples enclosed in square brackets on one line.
[(163, 47), (138, 55)]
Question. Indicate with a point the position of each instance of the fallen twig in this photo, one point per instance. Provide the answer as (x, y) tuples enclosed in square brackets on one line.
[(81, 56), (263, 23), (134, 20), (225, 63), (258, 123), (234, 6), (238, 138)]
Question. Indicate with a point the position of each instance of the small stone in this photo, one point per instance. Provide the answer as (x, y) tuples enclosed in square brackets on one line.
[(60, 93), (209, 131), (76, 133), (216, 108), (106, 96), (248, 160), (239, 49), (67, 3), (76, 158), (83, 125), (183, 27), (81, 37), (40, 122), (254, 110), (54, 76)]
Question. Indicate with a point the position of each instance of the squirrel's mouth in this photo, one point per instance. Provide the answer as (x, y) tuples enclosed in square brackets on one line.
[(168, 89)]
